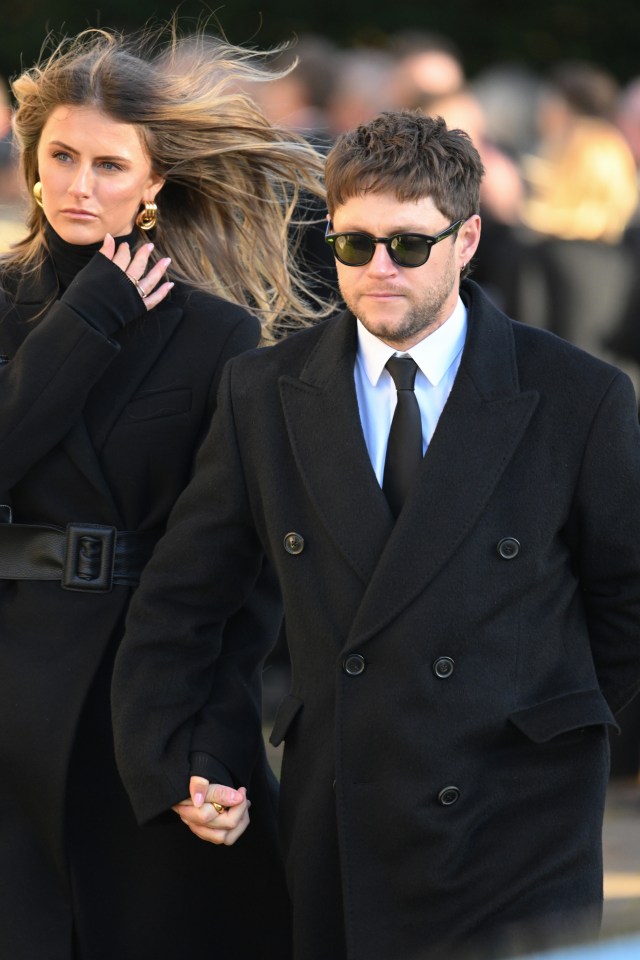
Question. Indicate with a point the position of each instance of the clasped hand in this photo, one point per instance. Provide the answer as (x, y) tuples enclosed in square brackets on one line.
[(214, 812)]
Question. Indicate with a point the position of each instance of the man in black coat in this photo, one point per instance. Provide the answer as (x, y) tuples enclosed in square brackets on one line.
[(462, 627)]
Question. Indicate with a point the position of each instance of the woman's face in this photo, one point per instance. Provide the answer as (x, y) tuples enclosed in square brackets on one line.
[(95, 174)]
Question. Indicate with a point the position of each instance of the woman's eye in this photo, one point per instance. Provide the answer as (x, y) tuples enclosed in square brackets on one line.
[(110, 165), (61, 155)]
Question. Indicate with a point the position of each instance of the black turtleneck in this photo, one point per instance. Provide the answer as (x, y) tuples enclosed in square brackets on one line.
[(93, 286), (69, 258)]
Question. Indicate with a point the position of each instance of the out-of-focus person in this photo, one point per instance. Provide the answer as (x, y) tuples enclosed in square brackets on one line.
[(574, 89), (11, 208), (509, 94), (362, 88), (574, 275), (501, 190), (428, 64), (298, 96), (627, 116)]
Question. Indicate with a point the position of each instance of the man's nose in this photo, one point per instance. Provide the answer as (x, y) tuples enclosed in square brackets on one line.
[(381, 262)]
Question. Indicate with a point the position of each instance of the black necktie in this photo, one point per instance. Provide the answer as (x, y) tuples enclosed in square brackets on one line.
[(404, 450)]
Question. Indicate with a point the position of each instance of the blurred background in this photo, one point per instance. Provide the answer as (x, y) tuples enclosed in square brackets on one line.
[(536, 33)]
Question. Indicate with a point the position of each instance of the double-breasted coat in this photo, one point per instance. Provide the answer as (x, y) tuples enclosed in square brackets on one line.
[(453, 674), (102, 429)]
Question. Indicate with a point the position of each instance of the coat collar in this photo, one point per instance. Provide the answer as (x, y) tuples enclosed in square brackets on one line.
[(479, 430)]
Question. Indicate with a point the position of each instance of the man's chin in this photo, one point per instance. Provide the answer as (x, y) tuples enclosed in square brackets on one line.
[(396, 332)]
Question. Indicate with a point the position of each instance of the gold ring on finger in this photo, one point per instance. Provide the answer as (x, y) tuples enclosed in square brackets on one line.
[(219, 807), (137, 285)]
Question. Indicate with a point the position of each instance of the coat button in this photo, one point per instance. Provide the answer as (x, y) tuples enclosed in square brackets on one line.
[(443, 667), (448, 795), (293, 543), (508, 548), (354, 664)]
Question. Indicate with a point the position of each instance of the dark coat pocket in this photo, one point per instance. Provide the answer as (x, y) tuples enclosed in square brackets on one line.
[(287, 712), (160, 403), (572, 711)]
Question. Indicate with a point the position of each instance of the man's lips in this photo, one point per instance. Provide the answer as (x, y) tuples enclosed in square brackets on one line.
[(382, 294)]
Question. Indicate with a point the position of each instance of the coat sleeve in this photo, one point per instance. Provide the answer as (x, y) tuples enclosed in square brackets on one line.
[(605, 538), (187, 675), (54, 361)]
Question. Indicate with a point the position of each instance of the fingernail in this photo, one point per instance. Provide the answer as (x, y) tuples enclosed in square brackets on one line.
[(198, 799), (150, 246)]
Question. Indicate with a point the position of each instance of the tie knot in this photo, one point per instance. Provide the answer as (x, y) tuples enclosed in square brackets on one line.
[(403, 371)]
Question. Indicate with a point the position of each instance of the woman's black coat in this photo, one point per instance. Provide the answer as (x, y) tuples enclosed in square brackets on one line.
[(103, 429)]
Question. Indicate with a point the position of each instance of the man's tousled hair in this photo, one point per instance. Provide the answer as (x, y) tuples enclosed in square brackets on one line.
[(410, 155)]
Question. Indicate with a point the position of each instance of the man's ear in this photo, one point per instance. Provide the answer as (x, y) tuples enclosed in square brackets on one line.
[(468, 240)]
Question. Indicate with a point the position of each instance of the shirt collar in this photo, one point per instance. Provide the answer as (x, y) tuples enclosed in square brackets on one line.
[(433, 354)]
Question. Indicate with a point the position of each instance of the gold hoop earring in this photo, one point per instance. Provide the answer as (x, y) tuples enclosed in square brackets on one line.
[(148, 216), (37, 194)]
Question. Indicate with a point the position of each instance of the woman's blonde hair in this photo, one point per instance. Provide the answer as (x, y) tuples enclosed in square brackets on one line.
[(586, 186), (235, 184)]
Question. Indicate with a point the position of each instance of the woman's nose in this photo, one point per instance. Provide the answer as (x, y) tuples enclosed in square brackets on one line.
[(81, 184)]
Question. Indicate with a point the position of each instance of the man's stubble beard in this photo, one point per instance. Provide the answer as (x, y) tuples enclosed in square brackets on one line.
[(422, 317)]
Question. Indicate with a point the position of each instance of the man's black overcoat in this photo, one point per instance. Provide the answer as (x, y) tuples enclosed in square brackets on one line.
[(98, 429), (453, 675)]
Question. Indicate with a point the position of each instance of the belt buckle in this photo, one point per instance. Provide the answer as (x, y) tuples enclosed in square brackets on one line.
[(89, 557)]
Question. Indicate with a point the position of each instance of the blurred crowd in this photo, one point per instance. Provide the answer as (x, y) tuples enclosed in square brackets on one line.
[(560, 214)]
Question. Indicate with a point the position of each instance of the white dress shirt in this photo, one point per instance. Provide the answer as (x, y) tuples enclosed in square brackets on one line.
[(438, 358)]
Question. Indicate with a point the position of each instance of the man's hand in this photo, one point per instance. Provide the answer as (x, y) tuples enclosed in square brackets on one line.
[(214, 812)]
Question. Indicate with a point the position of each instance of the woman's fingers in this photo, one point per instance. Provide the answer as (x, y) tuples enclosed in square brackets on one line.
[(138, 262), (154, 298), (147, 285), (108, 248), (148, 281), (135, 266)]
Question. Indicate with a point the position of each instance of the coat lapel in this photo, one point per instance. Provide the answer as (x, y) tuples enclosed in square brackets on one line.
[(478, 432), (141, 344), (325, 432)]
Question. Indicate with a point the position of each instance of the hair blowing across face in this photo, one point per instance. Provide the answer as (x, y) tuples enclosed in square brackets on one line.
[(233, 180), (410, 155)]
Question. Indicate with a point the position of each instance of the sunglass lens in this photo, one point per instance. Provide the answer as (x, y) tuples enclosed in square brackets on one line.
[(354, 249), (409, 250)]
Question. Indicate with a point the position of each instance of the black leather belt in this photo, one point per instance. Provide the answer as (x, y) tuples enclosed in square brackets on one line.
[(82, 556)]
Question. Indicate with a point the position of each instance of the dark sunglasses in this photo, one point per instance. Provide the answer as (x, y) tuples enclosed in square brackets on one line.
[(405, 249)]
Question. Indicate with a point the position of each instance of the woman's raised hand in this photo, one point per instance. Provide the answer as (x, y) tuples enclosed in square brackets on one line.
[(135, 266)]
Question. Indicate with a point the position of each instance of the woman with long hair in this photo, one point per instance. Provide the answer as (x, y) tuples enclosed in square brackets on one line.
[(158, 244)]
